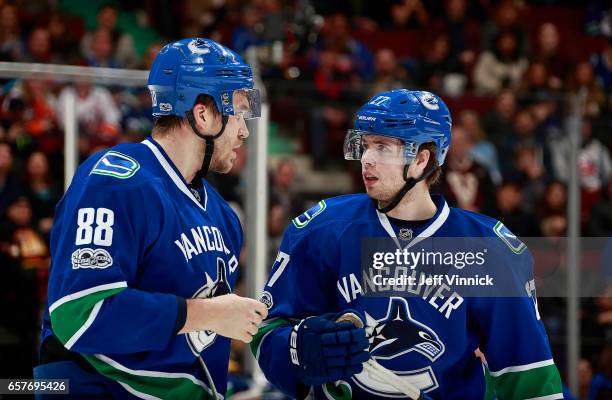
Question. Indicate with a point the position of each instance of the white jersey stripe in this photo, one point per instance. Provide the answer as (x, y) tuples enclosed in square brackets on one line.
[(92, 316), (86, 292), (173, 175), (520, 368)]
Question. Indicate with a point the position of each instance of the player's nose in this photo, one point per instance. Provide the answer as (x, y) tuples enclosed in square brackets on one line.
[(367, 159), (243, 130)]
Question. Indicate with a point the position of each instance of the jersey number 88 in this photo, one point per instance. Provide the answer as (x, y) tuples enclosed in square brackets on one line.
[(101, 231)]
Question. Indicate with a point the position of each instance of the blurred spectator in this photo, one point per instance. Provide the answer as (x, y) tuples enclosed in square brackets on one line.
[(585, 377), (64, 41), (509, 204), (537, 83), (582, 82), (39, 117), (462, 30), (466, 183), (500, 68), (149, 56), (43, 191), (545, 113), (341, 64), (136, 118), (283, 188), (19, 238), (349, 57), (530, 173), (505, 19), (277, 221), (484, 152), (388, 74), (602, 65), (102, 52), (552, 210), (601, 385), (10, 186), (408, 14), (523, 134), (97, 115), (600, 217), (11, 117), (30, 111), (10, 41), (438, 64), (594, 164), (598, 19), (497, 122), (547, 52), (248, 33), (122, 43), (262, 24), (39, 48)]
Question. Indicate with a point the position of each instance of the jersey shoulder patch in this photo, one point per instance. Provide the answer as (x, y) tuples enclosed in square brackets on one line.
[(510, 239), (334, 212), (304, 219), (116, 164)]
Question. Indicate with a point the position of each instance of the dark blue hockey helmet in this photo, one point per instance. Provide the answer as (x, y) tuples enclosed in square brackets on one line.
[(415, 117), (187, 68)]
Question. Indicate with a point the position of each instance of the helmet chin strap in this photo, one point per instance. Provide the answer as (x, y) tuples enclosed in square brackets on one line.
[(409, 184), (208, 151)]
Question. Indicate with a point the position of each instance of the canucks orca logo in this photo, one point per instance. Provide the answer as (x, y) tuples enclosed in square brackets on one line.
[(397, 335), (200, 340)]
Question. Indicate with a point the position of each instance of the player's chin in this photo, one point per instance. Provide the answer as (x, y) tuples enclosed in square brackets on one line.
[(374, 193), (227, 165)]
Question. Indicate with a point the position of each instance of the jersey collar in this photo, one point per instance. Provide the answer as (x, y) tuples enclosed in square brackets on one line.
[(173, 172), (436, 222)]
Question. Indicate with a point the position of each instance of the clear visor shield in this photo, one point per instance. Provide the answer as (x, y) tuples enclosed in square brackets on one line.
[(245, 103), (361, 145)]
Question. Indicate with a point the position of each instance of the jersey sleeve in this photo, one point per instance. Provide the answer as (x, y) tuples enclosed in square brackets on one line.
[(298, 286), (512, 337), (101, 234)]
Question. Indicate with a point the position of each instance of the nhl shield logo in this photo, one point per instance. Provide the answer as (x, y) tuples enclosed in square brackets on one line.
[(405, 234), (196, 195)]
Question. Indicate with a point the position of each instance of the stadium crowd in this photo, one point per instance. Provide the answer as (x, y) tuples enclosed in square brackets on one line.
[(509, 70)]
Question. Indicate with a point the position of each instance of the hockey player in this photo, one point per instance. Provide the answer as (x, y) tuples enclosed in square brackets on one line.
[(145, 252), (427, 341)]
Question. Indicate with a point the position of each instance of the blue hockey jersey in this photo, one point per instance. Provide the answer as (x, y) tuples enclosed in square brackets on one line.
[(131, 241), (428, 340)]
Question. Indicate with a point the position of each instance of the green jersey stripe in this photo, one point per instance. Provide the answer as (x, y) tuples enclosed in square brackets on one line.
[(151, 384), (263, 331), (532, 383), (71, 319)]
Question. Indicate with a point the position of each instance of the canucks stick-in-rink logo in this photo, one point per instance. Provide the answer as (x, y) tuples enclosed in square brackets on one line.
[(397, 337), (200, 340)]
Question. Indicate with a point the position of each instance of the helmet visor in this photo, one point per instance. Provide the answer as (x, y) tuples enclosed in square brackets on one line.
[(353, 148), (359, 145), (246, 103)]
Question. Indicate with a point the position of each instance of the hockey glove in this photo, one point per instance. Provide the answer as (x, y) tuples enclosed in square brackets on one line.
[(324, 350)]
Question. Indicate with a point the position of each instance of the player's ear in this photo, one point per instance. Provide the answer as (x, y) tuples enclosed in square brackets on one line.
[(422, 158), (199, 113), (204, 118), (207, 118)]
